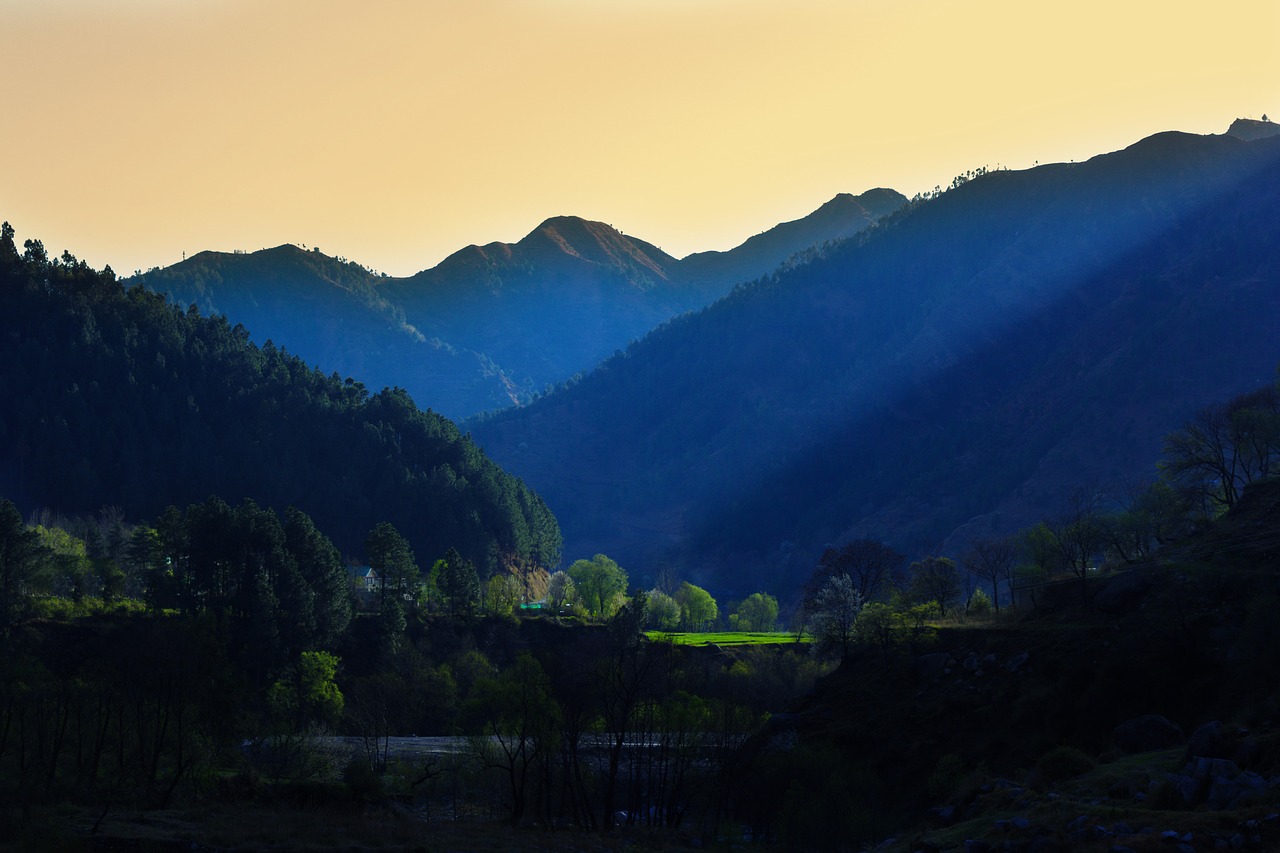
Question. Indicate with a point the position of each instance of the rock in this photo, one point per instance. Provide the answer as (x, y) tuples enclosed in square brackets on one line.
[(1016, 662), (971, 663), (1229, 793), (1122, 591), (1148, 732), (1208, 741), (1205, 769), (933, 665), (1189, 788)]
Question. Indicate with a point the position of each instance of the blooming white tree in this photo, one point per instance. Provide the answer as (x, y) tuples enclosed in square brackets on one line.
[(835, 617)]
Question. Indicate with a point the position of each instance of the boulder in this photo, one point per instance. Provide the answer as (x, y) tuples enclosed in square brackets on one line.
[(1229, 793), (933, 665), (1208, 741), (1148, 732), (1122, 591)]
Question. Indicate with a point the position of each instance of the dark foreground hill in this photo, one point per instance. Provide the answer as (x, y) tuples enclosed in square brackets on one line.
[(115, 397), (955, 371), (490, 325), (1142, 720)]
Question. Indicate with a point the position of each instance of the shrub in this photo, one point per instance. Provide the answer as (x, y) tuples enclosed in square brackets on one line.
[(1063, 762), (979, 604)]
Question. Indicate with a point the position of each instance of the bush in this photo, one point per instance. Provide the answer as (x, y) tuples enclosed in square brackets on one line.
[(979, 604), (1064, 762)]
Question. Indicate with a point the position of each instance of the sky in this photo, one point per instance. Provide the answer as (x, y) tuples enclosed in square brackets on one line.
[(394, 132)]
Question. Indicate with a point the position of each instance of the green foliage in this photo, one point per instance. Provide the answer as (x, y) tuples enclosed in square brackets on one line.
[(308, 693), (934, 579), (320, 567), (979, 604), (698, 610), (601, 584), (758, 612), (68, 570), (881, 626), (459, 584), (724, 638), (662, 612), (502, 594), (64, 609), (390, 556), (561, 592), (21, 554)]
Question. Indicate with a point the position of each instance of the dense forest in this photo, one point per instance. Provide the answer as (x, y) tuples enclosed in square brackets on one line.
[(116, 397)]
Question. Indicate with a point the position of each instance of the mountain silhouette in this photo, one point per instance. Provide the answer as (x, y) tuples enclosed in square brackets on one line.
[(954, 371), (493, 325)]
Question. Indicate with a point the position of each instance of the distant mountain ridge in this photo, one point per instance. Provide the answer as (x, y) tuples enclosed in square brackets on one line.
[(490, 325), (953, 372), (837, 219), (1248, 129)]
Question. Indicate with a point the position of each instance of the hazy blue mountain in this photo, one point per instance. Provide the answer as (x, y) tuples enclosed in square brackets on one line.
[(842, 217), (490, 325), (335, 314), (954, 370)]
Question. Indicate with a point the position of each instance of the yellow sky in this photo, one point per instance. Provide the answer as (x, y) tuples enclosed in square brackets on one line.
[(394, 132)]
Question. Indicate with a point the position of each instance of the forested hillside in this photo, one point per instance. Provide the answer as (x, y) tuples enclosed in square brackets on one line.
[(114, 396), (496, 324), (953, 372)]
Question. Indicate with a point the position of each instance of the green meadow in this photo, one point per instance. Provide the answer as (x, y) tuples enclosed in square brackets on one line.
[(725, 638)]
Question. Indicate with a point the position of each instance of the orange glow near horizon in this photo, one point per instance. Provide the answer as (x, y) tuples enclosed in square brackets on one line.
[(396, 132)]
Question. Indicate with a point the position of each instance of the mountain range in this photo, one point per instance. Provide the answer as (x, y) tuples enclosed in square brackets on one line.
[(493, 325), (953, 372), (921, 373)]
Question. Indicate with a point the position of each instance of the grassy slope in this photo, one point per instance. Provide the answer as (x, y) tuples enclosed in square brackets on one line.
[(723, 638)]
